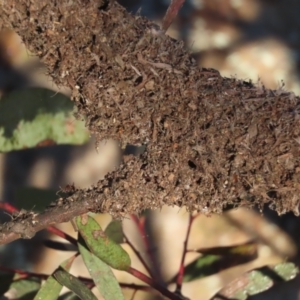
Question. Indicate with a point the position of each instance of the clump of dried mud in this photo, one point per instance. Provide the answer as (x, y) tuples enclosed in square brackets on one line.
[(212, 142)]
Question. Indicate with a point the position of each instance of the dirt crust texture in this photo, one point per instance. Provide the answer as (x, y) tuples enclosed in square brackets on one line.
[(212, 142)]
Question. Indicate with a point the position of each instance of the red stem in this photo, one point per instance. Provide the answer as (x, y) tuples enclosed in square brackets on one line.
[(138, 254), (24, 274), (171, 13), (138, 287), (154, 284), (140, 223), (8, 207), (62, 234), (181, 266)]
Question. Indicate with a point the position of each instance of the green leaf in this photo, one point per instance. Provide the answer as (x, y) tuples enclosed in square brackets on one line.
[(262, 279), (74, 285), (247, 249), (201, 267), (286, 270), (114, 231), (217, 259), (37, 117), (100, 245), (101, 273), (25, 289), (51, 288)]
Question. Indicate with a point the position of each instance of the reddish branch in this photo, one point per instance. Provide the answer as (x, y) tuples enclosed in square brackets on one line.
[(138, 254), (171, 13), (184, 252), (140, 223), (154, 284)]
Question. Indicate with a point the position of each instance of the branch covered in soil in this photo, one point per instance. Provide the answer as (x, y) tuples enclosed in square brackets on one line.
[(211, 142), (25, 224)]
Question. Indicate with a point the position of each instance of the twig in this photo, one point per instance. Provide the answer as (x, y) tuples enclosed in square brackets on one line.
[(62, 234), (138, 254), (164, 291), (140, 223), (12, 209), (184, 251), (171, 13), (27, 224), (24, 274)]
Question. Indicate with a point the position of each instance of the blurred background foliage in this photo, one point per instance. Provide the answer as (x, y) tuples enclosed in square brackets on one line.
[(257, 40), (33, 110)]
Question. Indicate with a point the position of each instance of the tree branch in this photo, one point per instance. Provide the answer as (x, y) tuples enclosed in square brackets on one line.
[(27, 224), (212, 142)]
